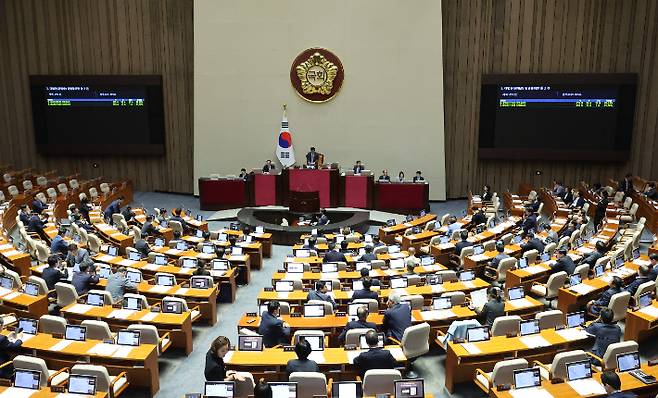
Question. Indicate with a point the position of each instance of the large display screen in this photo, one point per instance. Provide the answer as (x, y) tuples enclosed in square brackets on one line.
[(97, 115), (557, 117)]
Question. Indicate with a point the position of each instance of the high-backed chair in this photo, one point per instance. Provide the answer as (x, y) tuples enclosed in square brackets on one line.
[(619, 304), (43, 286), (42, 181), (550, 319), (448, 275), (328, 307), (176, 226), (13, 191), (582, 270), (148, 334), (48, 377), (52, 324), (380, 381), (373, 305), (456, 297), (309, 332), (94, 243), (499, 274), (415, 342), (353, 336), (609, 360), (549, 291), (66, 294), (531, 256), (504, 325), (139, 297), (195, 313), (643, 288), (18, 283), (309, 384), (63, 189), (113, 385), (467, 251), (107, 296), (415, 300), (502, 374), (558, 368), (97, 330), (506, 239)]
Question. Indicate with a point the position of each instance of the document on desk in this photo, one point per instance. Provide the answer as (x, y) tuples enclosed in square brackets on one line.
[(11, 295), (397, 255), (437, 314), (15, 392), (432, 268), (106, 258), (584, 250), (520, 303), (391, 272), (438, 289), (479, 298), (122, 352), (173, 252), (585, 387), (650, 310), (469, 284), (397, 353), (293, 275), (581, 288), (120, 314), (127, 263), (26, 337), (638, 261), (159, 289), (10, 253), (182, 291), (151, 267), (530, 392), (79, 308), (4, 291), (317, 356), (6, 246), (60, 345), (534, 269), (572, 334), (102, 349), (534, 341), (471, 348), (104, 227), (116, 235), (149, 317), (480, 257)]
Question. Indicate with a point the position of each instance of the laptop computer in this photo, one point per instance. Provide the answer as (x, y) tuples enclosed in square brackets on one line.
[(75, 333), (329, 268), (159, 242), (220, 265), (316, 342), (181, 246), (31, 288), (164, 280), (411, 388), (283, 390), (357, 285), (172, 307), (575, 319), (199, 233), (134, 256), (284, 286), (599, 270), (160, 260), (522, 263), (199, 283), (364, 345), (441, 303), (466, 276), (128, 337), (524, 378), (28, 326), (347, 389), (132, 303), (396, 263), (515, 293), (302, 253), (82, 384), (295, 268), (426, 260), (6, 282), (30, 379), (579, 370), (545, 257), (190, 263), (95, 299), (113, 251), (219, 389), (104, 272), (628, 361), (575, 279), (478, 249), (528, 327), (134, 276), (399, 283), (250, 343), (208, 248), (352, 309), (313, 310), (477, 333), (645, 300)]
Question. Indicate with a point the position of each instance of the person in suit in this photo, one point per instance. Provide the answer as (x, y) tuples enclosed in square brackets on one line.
[(243, 174), (653, 263), (177, 215), (534, 205), (529, 222), (113, 208), (401, 176), (148, 228), (459, 246), (365, 293), (612, 385), (570, 229), (332, 255), (626, 185), (375, 358), (453, 225), (605, 331), (642, 277), (302, 363), (578, 200), (77, 256), (85, 279), (558, 189), (568, 196), (323, 219), (376, 242), (397, 317), (55, 272), (486, 196), (85, 208), (311, 243), (320, 293), (142, 246), (651, 192), (594, 256), (418, 177), (358, 167), (360, 323), (24, 214), (312, 157), (532, 242), (8, 343), (38, 206), (368, 255), (36, 224), (58, 245), (268, 167), (599, 214), (273, 329), (551, 236), (129, 215), (118, 283), (384, 177), (411, 258), (493, 308), (365, 273), (215, 369), (500, 248), (594, 306), (262, 389), (478, 216), (564, 262)]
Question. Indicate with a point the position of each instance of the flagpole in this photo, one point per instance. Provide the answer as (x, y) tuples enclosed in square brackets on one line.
[(285, 107)]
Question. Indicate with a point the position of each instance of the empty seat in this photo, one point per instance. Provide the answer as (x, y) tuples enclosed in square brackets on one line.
[(113, 385), (380, 381), (309, 384), (502, 374), (504, 325), (52, 324), (550, 319), (52, 377), (148, 334), (66, 294), (97, 330)]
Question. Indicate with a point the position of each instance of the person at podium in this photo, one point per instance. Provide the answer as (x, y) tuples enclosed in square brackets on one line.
[(323, 219), (358, 167), (401, 176), (418, 177), (384, 177), (269, 167), (312, 157), (243, 174)]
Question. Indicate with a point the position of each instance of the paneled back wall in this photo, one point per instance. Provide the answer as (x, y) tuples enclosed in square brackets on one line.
[(544, 36), (99, 37)]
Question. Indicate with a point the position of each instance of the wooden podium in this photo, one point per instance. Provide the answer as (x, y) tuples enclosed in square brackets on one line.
[(304, 202)]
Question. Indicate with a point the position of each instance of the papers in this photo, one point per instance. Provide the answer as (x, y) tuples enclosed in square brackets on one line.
[(638, 261), (317, 356), (26, 337), (581, 288), (397, 255), (471, 348), (228, 356), (572, 334), (10, 253), (104, 227), (116, 235), (102, 349), (4, 291), (650, 311), (106, 258), (127, 263), (151, 267), (398, 354), (6, 246), (149, 317), (11, 295), (182, 291), (520, 303), (469, 284), (391, 272), (122, 352), (79, 308), (293, 275), (437, 314), (530, 392), (120, 314), (15, 392), (586, 387), (534, 269), (60, 345), (173, 252), (479, 257), (534, 341), (159, 289), (584, 250), (479, 298), (437, 289)]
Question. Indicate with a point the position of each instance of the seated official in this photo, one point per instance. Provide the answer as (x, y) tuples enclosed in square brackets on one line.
[(360, 323), (148, 228), (344, 247), (400, 176), (486, 196), (570, 229), (177, 215), (478, 216), (397, 317), (58, 245), (529, 222), (384, 177), (651, 192), (201, 270), (262, 389), (568, 196), (113, 208), (312, 157), (459, 246), (243, 174), (376, 242), (358, 167), (320, 293), (594, 256), (215, 368), (129, 215), (578, 200), (268, 167), (412, 257), (612, 385), (302, 363), (162, 217), (38, 206), (54, 272), (453, 225), (564, 262), (558, 189), (642, 277), (375, 358), (551, 236), (594, 306), (493, 308), (24, 214), (653, 264), (85, 280), (500, 248), (605, 331), (273, 329), (142, 246), (531, 242), (8, 344), (118, 283), (77, 256), (36, 224), (365, 293), (418, 177), (626, 185), (368, 255), (332, 255), (323, 219), (365, 273)]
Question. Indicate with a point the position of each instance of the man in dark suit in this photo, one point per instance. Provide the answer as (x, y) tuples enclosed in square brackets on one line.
[(36, 224), (564, 262), (58, 245), (273, 329), (269, 167), (653, 263), (459, 246), (24, 215), (320, 294), (651, 192), (397, 317), (38, 206), (332, 255), (600, 209), (142, 246), (500, 248), (384, 177), (177, 216), (365, 273), (358, 167), (418, 177), (8, 343), (311, 243), (642, 277), (365, 293), (532, 242), (568, 196), (312, 157), (113, 208), (570, 229), (54, 273), (594, 306), (478, 216), (368, 255), (85, 279), (302, 363), (529, 222), (605, 330), (323, 219), (243, 174), (594, 256), (578, 200), (612, 385), (486, 196), (148, 228), (375, 357), (626, 185), (360, 323)]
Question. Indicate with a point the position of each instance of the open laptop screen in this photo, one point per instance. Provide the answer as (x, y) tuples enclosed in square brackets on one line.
[(250, 343), (628, 361), (579, 370), (82, 384), (219, 389), (409, 388), (27, 379), (524, 378)]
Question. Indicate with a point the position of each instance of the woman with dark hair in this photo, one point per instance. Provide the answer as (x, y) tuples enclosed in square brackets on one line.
[(262, 389), (215, 368), (494, 308)]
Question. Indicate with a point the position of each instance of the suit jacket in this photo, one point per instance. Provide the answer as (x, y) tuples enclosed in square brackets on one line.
[(128, 214), (358, 169), (215, 369), (369, 257), (83, 281), (142, 247), (333, 256), (268, 168), (81, 258), (565, 264), (529, 223), (374, 358), (534, 243), (315, 295), (578, 202), (418, 179), (568, 197), (272, 330), (323, 220), (605, 335), (625, 186), (301, 365), (396, 320), (59, 246), (459, 246), (652, 194), (149, 228), (496, 260), (35, 224), (311, 157), (622, 394), (479, 218), (604, 298), (38, 206), (365, 294), (113, 208), (24, 217), (52, 275), (358, 324), (487, 196), (384, 178), (592, 258), (6, 347), (632, 287)]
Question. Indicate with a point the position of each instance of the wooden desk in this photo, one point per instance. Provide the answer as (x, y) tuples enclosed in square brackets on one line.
[(461, 364), (406, 197), (108, 233), (23, 304), (441, 251), (223, 193), (14, 259), (477, 262), (641, 324), (42, 393), (179, 326), (310, 277), (418, 240), (388, 234), (243, 261)]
